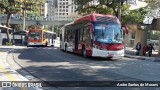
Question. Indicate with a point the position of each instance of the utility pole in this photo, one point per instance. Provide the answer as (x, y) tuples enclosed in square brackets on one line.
[(119, 10), (24, 20)]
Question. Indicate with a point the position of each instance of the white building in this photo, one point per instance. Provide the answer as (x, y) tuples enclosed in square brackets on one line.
[(62, 9)]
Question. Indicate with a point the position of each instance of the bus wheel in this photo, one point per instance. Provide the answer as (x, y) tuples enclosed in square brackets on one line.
[(84, 52)]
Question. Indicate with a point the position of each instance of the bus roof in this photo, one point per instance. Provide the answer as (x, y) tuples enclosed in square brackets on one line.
[(69, 23), (98, 18), (43, 30), (48, 31)]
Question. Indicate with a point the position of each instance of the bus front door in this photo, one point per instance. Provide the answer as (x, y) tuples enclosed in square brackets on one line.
[(76, 40)]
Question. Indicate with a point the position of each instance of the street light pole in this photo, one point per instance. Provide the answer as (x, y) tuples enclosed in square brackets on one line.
[(119, 10), (24, 21)]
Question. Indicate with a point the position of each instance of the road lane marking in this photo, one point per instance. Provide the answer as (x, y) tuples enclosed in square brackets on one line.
[(7, 74)]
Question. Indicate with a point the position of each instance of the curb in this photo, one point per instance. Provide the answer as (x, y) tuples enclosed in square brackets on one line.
[(6, 63), (30, 76), (130, 56), (155, 59), (23, 78)]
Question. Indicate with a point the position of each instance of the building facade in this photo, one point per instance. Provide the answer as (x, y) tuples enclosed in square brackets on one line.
[(62, 10)]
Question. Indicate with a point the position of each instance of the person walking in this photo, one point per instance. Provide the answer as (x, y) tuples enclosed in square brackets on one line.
[(150, 48), (144, 50), (138, 48)]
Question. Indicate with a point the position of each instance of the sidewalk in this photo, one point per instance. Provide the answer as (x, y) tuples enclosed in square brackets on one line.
[(7, 73), (131, 53)]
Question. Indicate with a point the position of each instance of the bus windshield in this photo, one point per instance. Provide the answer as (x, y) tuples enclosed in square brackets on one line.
[(108, 33), (35, 35)]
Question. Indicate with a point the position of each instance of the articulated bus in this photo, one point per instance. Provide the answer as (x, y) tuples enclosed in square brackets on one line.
[(39, 37), (95, 35)]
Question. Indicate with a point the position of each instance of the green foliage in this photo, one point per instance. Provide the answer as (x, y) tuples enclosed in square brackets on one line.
[(154, 35), (9, 6), (153, 8), (110, 7), (134, 16), (32, 6), (8, 43), (56, 29), (87, 6)]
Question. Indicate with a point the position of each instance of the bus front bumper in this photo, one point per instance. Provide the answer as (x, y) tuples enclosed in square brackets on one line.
[(106, 53), (35, 43)]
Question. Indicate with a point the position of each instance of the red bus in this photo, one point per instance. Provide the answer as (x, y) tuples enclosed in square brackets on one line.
[(94, 35), (40, 37)]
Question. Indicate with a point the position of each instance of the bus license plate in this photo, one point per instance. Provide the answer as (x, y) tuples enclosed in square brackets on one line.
[(111, 55)]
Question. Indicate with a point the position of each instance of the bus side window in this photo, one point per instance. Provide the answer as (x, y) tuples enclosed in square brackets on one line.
[(86, 34), (45, 36), (81, 34)]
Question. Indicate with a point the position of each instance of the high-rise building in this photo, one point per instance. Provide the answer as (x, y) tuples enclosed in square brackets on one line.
[(62, 9)]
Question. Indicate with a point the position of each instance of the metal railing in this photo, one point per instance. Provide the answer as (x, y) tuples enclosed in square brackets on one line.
[(42, 18)]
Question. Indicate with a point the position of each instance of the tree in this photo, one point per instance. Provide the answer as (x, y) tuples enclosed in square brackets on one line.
[(14, 6), (111, 7), (154, 35), (9, 7), (56, 30), (32, 6), (153, 8)]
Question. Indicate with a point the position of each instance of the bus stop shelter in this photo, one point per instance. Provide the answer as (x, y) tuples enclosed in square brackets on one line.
[(19, 38), (3, 36)]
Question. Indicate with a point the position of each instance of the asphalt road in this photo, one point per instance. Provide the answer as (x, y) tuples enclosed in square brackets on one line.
[(52, 64)]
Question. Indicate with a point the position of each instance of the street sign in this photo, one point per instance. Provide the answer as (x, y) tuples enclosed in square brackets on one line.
[(110, 40)]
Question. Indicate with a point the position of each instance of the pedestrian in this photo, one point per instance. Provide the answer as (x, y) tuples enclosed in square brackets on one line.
[(150, 48), (144, 50), (138, 48)]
